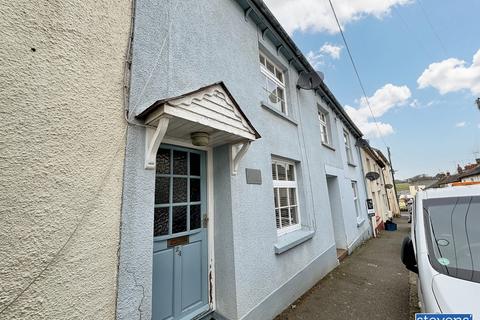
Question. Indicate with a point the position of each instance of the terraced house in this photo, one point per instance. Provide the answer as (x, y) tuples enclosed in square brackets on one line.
[(242, 175), (380, 186), (246, 179)]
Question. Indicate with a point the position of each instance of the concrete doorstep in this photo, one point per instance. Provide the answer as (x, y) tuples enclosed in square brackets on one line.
[(372, 283)]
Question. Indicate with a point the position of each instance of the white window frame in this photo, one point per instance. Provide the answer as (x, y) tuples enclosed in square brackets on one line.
[(324, 127), (348, 146), (277, 184), (273, 77), (356, 199)]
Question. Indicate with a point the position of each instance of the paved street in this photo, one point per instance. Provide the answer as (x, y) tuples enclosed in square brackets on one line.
[(372, 283)]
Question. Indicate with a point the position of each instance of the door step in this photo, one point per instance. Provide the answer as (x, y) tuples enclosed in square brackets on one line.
[(341, 254)]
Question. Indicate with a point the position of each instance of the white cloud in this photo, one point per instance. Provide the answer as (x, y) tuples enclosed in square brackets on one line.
[(415, 103), (452, 75), (383, 100), (317, 58), (460, 124), (332, 50), (317, 16)]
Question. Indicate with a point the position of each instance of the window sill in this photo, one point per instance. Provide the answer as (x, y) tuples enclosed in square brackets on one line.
[(267, 107), (292, 239), (351, 164), (360, 221), (328, 146)]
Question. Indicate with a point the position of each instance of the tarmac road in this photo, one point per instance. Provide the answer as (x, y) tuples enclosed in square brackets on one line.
[(370, 284)]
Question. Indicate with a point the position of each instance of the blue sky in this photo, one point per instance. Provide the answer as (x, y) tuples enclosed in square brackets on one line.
[(431, 123)]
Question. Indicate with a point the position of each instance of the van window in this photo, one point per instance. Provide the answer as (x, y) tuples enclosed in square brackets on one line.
[(453, 236)]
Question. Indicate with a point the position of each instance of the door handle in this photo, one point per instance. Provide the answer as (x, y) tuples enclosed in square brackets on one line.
[(205, 221)]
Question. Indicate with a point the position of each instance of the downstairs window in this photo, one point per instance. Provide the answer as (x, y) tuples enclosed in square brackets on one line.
[(285, 196)]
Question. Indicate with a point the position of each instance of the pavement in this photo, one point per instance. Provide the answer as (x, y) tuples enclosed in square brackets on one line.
[(372, 283)]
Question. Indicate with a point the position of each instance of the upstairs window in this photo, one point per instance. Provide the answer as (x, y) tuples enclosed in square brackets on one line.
[(348, 146), (369, 165), (273, 84), (324, 134), (285, 196)]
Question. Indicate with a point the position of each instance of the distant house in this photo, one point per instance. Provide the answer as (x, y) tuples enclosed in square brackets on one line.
[(379, 182), (387, 172), (469, 173), (446, 181), (473, 174), (416, 188)]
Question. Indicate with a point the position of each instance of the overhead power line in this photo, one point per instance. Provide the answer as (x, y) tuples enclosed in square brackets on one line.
[(412, 34), (357, 73), (427, 19)]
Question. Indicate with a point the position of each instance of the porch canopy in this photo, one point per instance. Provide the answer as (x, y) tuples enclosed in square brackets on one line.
[(211, 110)]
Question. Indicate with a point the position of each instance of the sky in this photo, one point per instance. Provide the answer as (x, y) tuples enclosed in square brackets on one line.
[(419, 62)]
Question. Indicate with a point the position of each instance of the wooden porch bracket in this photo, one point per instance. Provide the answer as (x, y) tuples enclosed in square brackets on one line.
[(153, 139), (237, 155)]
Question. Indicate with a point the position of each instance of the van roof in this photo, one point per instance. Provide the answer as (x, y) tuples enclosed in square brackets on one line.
[(458, 191)]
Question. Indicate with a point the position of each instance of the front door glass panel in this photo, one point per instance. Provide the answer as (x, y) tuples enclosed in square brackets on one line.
[(178, 191)]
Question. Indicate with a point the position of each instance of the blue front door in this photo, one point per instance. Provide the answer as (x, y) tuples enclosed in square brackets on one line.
[(180, 264)]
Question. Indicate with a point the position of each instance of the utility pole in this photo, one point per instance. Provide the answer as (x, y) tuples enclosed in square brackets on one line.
[(393, 173)]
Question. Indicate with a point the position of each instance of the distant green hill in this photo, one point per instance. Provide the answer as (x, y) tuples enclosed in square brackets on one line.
[(402, 186)]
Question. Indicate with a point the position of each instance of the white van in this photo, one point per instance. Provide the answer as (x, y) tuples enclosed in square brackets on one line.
[(444, 249)]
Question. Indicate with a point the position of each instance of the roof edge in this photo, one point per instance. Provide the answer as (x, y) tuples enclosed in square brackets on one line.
[(270, 18)]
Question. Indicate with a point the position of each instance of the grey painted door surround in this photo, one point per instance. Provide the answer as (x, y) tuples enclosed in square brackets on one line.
[(179, 288), (335, 200)]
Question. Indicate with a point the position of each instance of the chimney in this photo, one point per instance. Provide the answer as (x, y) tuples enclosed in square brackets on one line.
[(459, 169)]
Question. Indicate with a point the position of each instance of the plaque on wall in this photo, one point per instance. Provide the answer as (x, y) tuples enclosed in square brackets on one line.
[(254, 176)]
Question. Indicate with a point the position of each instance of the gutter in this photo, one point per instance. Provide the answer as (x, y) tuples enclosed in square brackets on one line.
[(365, 145), (272, 25)]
